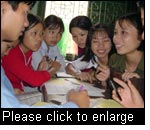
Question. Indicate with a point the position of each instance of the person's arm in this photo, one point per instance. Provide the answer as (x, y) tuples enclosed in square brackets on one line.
[(14, 63), (60, 59), (83, 76), (54, 67), (75, 68), (130, 96), (36, 59), (81, 98), (128, 75), (70, 69), (9, 100)]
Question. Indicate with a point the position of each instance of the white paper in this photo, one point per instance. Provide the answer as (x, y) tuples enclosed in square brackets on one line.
[(63, 85), (65, 75)]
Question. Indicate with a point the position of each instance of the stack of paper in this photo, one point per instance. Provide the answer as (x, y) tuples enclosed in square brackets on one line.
[(64, 85)]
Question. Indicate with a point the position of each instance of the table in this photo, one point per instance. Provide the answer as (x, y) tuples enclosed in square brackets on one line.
[(55, 90)]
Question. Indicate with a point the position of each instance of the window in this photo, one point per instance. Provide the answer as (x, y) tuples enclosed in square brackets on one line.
[(66, 10)]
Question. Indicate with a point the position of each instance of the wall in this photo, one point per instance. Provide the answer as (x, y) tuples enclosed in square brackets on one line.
[(39, 9), (99, 11)]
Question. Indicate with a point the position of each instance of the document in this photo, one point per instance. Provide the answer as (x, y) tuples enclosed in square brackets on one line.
[(63, 75), (63, 85), (41, 104)]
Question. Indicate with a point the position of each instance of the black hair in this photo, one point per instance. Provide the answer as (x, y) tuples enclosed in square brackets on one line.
[(15, 4), (96, 27), (33, 20), (82, 22), (135, 20), (141, 4), (54, 22)]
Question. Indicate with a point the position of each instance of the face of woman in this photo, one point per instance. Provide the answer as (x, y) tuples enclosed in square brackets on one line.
[(79, 36), (33, 38), (101, 44), (126, 38), (52, 36)]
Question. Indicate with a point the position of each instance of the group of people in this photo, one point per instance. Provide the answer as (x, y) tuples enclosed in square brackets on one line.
[(34, 57)]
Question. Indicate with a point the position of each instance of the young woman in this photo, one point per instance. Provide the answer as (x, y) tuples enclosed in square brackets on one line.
[(131, 98), (98, 48), (18, 11), (17, 64), (53, 31), (79, 27), (127, 39)]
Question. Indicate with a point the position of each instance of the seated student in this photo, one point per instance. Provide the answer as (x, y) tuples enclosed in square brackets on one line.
[(131, 98), (17, 64), (53, 31), (129, 60), (98, 47), (19, 21), (79, 27), (127, 39)]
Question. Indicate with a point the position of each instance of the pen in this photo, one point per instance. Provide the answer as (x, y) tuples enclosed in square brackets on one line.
[(113, 86), (55, 58), (98, 72), (47, 58)]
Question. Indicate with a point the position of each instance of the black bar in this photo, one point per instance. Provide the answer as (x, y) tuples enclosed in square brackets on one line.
[(81, 116)]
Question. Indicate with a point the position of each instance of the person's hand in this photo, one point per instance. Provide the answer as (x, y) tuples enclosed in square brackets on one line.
[(55, 66), (127, 75), (18, 91), (43, 64), (84, 76), (80, 98), (130, 96), (102, 72)]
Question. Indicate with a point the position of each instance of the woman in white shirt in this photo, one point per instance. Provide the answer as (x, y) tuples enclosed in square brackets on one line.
[(53, 31), (98, 46)]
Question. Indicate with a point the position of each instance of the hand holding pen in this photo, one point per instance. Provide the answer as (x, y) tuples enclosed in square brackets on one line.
[(81, 88), (55, 58), (130, 95), (54, 66), (114, 88), (80, 97), (102, 72)]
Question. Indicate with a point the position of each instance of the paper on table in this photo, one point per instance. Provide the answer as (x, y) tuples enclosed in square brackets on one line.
[(62, 86), (40, 104), (59, 98), (64, 75), (104, 103)]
